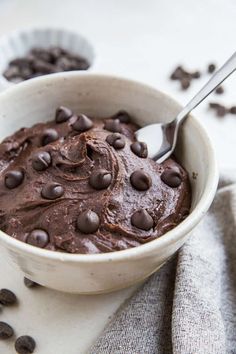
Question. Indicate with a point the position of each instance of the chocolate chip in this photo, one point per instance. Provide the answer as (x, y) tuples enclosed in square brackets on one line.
[(113, 125), (56, 52), (123, 116), (219, 90), (42, 54), (30, 283), (233, 110), (139, 149), (196, 74), (177, 74), (116, 140), (82, 123), (6, 331), (52, 191), (142, 220), (100, 179), (88, 222), (13, 178), (25, 345), (220, 110), (7, 297), (49, 136), (38, 238), (140, 180), (12, 71), (172, 177), (185, 83), (41, 160), (64, 63), (43, 67), (63, 114), (214, 105), (21, 62), (83, 64), (211, 68)]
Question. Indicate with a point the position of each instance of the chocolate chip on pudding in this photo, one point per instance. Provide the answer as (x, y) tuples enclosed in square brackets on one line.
[(116, 140), (85, 185), (63, 114), (82, 123), (13, 178), (41, 160), (100, 179)]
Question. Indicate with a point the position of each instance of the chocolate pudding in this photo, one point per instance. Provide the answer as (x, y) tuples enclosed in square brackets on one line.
[(82, 185)]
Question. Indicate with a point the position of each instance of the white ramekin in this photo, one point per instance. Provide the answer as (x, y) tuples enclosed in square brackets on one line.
[(19, 43), (99, 95)]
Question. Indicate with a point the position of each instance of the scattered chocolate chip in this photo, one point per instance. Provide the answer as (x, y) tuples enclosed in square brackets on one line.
[(177, 74), (82, 123), (30, 283), (185, 83), (214, 105), (7, 297), (63, 114), (116, 140), (140, 180), (139, 149), (49, 136), (220, 110), (41, 160), (219, 90), (25, 345), (52, 191), (196, 74), (88, 222), (211, 68), (172, 177), (100, 179), (233, 110), (13, 178), (6, 331), (113, 125), (142, 220), (123, 117), (38, 238)]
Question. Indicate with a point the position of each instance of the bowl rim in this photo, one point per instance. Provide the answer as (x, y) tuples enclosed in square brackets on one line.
[(175, 234), (4, 83)]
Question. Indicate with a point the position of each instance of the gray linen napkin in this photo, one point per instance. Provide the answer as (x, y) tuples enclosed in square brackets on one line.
[(189, 306)]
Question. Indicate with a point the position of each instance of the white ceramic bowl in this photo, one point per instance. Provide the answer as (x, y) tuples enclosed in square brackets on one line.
[(99, 95), (19, 43)]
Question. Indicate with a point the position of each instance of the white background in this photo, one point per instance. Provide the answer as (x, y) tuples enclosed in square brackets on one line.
[(143, 40)]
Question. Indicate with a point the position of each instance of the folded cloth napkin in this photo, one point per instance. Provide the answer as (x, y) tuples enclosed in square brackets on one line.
[(189, 306)]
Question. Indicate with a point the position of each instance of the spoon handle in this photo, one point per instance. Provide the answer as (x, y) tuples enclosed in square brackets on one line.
[(220, 75)]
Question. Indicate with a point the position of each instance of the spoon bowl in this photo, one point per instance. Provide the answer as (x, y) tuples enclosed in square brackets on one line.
[(161, 138)]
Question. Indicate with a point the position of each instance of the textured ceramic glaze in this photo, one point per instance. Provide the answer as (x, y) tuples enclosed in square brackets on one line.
[(35, 101)]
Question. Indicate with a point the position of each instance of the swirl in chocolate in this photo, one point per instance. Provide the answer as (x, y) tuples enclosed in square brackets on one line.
[(83, 185)]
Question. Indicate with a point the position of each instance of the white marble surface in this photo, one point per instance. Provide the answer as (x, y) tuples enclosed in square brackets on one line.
[(143, 40)]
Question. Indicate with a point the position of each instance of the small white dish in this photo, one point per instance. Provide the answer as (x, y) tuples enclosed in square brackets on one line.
[(100, 95), (19, 43)]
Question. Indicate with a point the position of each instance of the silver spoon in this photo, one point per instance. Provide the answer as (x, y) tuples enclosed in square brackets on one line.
[(161, 138)]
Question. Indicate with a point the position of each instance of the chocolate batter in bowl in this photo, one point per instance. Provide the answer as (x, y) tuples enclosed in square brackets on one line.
[(83, 210), (83, 185)]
